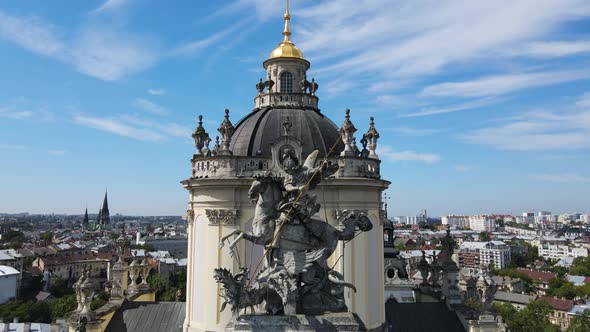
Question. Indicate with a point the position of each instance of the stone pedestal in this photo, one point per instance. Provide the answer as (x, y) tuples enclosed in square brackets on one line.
[(344, 321)]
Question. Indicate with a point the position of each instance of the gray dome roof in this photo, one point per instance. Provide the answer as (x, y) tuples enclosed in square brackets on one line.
[(256, 132)]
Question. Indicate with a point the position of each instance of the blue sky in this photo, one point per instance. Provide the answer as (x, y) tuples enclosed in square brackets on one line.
[(482, 106)]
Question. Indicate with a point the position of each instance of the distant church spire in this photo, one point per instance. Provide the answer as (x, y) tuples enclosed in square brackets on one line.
[(85, 221), (103, 214)]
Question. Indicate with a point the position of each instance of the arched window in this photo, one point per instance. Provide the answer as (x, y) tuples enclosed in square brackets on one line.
[(286, 82)]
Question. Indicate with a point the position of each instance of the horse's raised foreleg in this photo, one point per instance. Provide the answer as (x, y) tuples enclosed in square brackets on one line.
[(236, 240), (223, 239)]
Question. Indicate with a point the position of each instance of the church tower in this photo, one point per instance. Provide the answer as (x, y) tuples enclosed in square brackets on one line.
[(85, 221), (286, 115), (103, 214)]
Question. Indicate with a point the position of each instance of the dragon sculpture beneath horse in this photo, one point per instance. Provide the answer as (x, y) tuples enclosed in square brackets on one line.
[(295, 278)]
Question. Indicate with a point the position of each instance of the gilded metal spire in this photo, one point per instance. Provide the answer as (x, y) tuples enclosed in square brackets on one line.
[(286, 48), (287, 31)]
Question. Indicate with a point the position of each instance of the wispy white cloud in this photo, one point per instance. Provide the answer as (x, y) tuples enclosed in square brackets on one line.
[(345, 39), (584, 101), (32, 33), (408, 131), (96, 51), (462, 168), (136, 127), (386, 152), (119, 128), (475, 104), (56, 152), (157, 92), (552, 49), (149, 106), (538, 131), (12, 147), (110, 55), (196, 46), (109, 5), (16, 115), (503, 84), (561, 178)]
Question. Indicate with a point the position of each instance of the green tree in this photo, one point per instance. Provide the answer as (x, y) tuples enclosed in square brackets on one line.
[(580, 322), (40, 312), (533, 318), (484, 237), (581, 266), (13, 239), (46, 236), (60, 308), (506, 310), (57, 286)]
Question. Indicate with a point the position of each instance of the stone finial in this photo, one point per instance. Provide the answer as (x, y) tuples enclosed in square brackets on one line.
[(122, 244), (200, 136), (347, 131), (371, 137), (424, 268), (216, 146), (84, 289), (226, 129)]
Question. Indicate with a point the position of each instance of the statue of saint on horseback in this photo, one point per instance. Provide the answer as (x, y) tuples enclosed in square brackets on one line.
[(296, 278)]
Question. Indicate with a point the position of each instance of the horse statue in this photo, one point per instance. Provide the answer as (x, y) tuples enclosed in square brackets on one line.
[(296, 278), (266, 192)]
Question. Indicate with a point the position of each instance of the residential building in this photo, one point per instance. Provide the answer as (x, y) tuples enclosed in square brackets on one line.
[(10, 257), (519, 301), (543, 217), (8, 283), (560, 314), (482, 254), (578, 309), (508, 284), (528, 218), (455, 221), (558, 251), (540, 278), (70, 267), (482, 223)]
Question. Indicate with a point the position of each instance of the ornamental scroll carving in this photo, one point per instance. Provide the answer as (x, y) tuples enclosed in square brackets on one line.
[(226, 217), (341, 214)]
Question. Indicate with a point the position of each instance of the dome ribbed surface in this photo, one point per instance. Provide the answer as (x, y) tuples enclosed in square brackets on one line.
[(256, 132)]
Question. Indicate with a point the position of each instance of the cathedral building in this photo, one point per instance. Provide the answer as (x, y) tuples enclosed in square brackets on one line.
[(104, 218), (286, 116)]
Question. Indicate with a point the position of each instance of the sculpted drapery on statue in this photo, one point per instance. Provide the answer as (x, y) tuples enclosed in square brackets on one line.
[(295, 277)]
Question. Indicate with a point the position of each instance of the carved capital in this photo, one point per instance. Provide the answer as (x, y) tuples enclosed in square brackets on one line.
[(190, 216), (227, 217), (340, 214)]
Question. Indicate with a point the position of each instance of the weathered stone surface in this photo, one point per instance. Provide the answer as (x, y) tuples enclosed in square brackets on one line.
[(342, 321)]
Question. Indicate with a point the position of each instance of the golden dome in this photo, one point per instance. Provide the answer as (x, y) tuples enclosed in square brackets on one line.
[(286, 49)]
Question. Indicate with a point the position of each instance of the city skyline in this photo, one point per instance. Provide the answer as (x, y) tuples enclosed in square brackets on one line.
[(481, 107)]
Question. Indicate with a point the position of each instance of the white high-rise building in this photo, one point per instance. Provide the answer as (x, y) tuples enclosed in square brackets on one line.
[(481, 254), (455, 221), (482, 223)]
